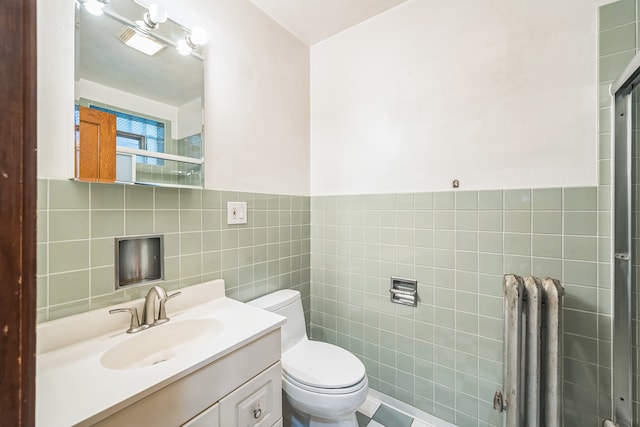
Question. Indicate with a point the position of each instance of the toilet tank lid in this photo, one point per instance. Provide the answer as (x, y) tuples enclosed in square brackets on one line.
[(275, 300)]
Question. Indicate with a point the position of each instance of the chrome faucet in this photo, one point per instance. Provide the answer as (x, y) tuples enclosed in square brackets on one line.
[(150, 316)]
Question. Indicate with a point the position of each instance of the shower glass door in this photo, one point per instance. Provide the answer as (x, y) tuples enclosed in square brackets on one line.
[(626, 259), (635, 229)]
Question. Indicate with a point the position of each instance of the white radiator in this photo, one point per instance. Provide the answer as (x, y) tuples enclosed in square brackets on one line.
[(532, 374)]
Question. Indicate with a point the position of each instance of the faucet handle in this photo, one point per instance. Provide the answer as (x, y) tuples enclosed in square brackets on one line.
[(162, 314), (134, 326)]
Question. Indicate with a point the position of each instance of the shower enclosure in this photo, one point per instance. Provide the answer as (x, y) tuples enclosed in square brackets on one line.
[(626, 239)]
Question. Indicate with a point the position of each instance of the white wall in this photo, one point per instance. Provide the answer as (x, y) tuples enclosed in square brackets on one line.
[(55, 88), (256, 95), (190, 118), (498, 94)]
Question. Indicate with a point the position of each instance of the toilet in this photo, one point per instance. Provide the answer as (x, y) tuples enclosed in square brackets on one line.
[(323, 383)]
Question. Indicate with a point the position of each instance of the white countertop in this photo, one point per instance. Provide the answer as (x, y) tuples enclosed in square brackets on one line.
[(73, 386)]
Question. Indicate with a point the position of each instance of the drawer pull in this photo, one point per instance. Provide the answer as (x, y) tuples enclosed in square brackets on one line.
[(257, 413)]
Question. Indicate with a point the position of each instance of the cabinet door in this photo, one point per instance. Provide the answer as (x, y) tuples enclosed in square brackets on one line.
[(96, 157), (257, 403), (210, 417)]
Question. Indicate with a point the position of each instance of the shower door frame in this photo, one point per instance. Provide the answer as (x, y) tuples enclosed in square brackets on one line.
[(623, 254)]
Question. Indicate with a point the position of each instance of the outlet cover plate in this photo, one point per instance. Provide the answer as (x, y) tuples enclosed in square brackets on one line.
[(236, 212)]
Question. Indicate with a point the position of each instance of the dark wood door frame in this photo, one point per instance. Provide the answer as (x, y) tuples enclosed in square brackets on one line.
[(18, 189)]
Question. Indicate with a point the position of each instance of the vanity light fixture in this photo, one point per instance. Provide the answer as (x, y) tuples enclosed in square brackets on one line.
[(139, 41), (95, 7), (198, 37)]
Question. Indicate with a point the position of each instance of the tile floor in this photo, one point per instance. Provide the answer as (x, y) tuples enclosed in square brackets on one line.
[(384, 416), (372, 413)]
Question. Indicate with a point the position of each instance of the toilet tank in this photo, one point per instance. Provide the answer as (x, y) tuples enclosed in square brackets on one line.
[(287, 303)]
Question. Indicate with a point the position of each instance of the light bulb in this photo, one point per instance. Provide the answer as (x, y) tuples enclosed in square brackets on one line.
[(157, 13), (94, 7), (183, 47), (198, 36)]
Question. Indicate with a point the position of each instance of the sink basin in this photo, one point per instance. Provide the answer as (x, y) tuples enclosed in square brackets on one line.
[(160, 343)]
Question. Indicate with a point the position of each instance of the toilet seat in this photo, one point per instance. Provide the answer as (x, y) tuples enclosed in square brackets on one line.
[(344, 390), (322, 368)]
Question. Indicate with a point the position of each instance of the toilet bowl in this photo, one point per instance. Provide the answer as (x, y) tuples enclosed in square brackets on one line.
[(323, 383)]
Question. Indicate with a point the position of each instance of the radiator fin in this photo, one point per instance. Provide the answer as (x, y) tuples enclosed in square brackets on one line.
[(532, 377)]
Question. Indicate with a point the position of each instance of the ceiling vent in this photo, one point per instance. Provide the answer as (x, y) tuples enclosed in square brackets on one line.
[(139, 41)]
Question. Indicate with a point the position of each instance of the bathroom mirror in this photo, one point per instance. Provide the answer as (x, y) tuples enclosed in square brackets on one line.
[(138, 115)]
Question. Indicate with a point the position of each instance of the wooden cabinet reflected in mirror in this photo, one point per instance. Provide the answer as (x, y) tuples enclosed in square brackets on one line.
[(96, 146)]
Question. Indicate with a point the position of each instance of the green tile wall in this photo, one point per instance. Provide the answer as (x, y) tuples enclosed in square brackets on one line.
[(445, 356), (77, 223)]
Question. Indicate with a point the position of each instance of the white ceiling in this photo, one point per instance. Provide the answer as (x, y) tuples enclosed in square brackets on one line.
[(315, 20)]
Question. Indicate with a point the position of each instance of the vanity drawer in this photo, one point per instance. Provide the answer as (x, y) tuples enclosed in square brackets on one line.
[(257, 403)]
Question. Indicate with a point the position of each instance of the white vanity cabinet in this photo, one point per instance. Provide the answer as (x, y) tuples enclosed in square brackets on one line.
[(210, 417), (256, 403), (240, 389)]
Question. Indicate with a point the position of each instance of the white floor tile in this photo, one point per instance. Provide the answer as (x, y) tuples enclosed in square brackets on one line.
[(369, 407), (373, 423), (417, 423)]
